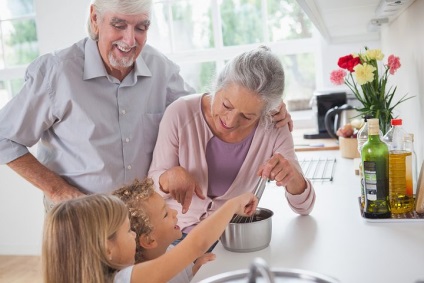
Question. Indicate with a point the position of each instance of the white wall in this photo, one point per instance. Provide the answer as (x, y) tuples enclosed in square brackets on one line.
[(21, 215), (21, 208), (59, 24), (405, 38)]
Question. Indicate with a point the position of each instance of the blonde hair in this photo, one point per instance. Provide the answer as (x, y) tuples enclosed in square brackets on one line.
[(75, 239), (135, 196)]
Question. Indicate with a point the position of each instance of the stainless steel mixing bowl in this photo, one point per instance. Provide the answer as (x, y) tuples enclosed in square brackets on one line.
[(260, 272), (249, 234)]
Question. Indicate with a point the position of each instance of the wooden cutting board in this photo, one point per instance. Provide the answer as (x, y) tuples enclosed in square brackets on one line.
[(302, 144)]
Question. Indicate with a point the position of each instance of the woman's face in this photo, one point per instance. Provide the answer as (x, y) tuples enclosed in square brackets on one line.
[(121, 39), (235, 109), (122, 247)]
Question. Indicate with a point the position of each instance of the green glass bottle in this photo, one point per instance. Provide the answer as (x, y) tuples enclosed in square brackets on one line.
[(375, 166)]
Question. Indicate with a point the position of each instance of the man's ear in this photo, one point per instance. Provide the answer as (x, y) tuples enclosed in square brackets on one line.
[(93, 19), (147, 242)]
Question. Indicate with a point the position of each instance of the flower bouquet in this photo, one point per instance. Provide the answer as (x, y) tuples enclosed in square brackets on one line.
[(363, 79)]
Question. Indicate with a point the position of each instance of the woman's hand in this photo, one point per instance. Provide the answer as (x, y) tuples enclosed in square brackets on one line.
[(284, 173), (179, 183), (282, 117)]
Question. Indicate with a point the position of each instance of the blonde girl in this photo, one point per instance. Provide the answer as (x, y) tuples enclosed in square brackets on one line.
[(89, 239)]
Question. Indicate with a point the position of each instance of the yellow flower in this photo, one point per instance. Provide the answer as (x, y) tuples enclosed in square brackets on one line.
[(364, 73), (374, 54)]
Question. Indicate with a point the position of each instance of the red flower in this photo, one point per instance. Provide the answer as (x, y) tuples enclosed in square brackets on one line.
[(348, 62)]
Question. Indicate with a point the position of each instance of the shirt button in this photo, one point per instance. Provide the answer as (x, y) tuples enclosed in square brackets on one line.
[(124, 112), (129, 167), (127, 140)]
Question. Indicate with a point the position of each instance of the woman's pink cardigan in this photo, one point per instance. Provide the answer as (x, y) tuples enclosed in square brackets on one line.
[(183, 136)]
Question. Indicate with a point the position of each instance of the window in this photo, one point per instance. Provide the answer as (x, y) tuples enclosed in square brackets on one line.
[(18, 44), (202, 35), (199, 35)]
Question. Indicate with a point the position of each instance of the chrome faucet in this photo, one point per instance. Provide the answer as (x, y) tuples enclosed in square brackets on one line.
[(260, 265)]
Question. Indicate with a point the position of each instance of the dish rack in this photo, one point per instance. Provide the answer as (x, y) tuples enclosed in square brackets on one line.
[(318, 169)]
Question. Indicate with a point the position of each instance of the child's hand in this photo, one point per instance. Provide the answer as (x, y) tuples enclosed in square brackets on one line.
[(201, 261), (247, 204)]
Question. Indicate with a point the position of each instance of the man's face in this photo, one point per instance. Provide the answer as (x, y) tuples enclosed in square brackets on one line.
[(121, 39)]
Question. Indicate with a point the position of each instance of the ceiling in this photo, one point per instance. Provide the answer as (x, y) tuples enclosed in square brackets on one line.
[(341, 21)]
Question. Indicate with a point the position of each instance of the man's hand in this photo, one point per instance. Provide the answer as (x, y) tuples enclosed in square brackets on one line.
[(53, 186), (63, 193), (282, 117)]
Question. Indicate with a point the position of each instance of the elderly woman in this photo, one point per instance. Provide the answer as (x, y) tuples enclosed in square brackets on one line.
[(215, 145)]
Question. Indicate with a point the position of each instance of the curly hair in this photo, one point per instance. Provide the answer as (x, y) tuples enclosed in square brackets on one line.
[(134, 196)]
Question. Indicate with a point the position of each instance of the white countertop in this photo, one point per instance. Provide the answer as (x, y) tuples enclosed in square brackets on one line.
[(334, 239)]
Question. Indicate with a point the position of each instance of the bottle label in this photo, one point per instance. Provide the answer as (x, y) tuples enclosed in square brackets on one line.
[(370, 180)]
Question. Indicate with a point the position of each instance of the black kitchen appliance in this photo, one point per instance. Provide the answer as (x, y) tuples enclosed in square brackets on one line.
[(322, 102)]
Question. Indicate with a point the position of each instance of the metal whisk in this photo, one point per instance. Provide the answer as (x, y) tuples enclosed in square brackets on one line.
[(258, 191)]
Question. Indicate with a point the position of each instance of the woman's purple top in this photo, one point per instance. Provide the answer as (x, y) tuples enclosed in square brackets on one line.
[(224, 162)]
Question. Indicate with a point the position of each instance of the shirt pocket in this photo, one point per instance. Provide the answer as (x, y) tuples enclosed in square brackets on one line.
[(150, 129)]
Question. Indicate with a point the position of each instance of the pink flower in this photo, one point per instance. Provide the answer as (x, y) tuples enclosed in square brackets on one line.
[(393, 63), (337, 77)]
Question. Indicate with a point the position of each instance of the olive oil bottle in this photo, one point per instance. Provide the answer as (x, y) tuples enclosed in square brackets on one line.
[(375, 166), (401, 200)]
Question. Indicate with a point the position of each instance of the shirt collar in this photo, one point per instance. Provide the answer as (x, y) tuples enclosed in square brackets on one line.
[(94, 66)]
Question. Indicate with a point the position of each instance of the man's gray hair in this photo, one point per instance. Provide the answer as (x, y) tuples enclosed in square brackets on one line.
[(258, 70), (126, 7)]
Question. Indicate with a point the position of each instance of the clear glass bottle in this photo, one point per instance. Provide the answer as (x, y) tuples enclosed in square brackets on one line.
[(411, 164), (375, 164), (401, 201), (362, 135), (397, 132)]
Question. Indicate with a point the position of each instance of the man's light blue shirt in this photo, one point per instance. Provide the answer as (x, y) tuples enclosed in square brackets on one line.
[(95, 131)]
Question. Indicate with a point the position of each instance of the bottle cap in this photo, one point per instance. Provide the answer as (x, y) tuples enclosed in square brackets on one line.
[(396, 122)]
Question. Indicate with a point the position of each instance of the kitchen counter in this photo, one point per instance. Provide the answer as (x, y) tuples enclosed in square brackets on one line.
[(334, 239), (302, 144)]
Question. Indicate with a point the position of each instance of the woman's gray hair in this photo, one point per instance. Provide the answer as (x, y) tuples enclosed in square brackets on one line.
[(258, 70), (126, 7)]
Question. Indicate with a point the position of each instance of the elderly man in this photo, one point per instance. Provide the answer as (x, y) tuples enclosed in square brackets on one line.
[(94, 107)]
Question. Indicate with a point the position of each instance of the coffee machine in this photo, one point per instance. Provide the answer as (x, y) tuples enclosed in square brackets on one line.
[(322, 101)]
